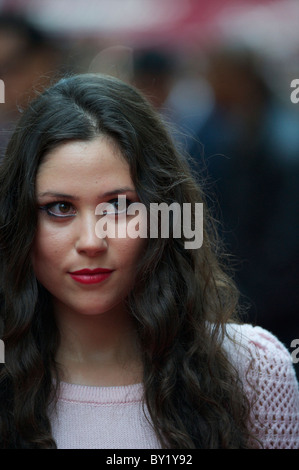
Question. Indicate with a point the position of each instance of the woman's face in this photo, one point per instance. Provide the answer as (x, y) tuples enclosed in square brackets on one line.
[(84, 273)]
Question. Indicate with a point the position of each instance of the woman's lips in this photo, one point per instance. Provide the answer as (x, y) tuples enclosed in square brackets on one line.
[(90, 276)]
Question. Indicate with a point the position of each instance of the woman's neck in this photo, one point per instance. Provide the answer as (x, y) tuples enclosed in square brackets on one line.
[(98, 350)]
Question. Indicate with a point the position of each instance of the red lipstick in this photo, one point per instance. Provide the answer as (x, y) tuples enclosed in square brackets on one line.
[(90, 276)]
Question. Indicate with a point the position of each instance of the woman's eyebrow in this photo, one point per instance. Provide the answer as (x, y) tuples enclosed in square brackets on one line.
[(58, 195), (119, 191), (75, 198)]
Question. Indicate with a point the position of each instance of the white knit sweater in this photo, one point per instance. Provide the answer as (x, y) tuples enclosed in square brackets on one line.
[(112, 417)]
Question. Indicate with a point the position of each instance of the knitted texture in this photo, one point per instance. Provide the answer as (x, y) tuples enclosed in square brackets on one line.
[(101, 418), (270, 383), (113, 417)]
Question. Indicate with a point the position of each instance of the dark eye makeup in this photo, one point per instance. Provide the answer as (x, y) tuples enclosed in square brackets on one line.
[(60, 209), (64, 209)]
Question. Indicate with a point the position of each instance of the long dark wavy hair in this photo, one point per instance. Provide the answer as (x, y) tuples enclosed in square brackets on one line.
[(182, 300)]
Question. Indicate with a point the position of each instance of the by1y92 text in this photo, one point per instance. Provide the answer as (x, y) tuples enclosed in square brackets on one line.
[(152, 459)]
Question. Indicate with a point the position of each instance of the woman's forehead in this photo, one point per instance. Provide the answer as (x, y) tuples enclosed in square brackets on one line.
[(80, 165)]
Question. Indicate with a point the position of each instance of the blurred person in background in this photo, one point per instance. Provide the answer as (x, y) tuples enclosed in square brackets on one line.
[(249, 146), (154, 73), (173, 87), (28, 59)]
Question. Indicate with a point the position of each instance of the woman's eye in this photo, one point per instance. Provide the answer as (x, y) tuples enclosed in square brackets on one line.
[(116, 206), (59, 209)]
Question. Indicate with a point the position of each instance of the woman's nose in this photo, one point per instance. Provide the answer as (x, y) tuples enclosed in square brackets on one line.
[(87, 240)]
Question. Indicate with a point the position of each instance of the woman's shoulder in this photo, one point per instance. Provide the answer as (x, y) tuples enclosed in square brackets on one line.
[(270, 382), (249, 340), (258, 349)]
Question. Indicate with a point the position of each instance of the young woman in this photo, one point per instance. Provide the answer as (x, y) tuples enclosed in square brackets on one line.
[(114, 340)]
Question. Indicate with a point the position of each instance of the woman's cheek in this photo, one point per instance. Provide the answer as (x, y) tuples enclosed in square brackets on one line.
[(129, 251)]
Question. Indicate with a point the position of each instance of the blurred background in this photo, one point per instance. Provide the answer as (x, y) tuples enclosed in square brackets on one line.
[(219, 72)]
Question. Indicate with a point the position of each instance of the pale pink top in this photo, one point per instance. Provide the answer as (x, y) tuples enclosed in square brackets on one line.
[(113, 418)]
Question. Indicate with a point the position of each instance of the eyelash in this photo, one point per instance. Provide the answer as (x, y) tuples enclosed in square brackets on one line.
[(47, 208), (128, 202)]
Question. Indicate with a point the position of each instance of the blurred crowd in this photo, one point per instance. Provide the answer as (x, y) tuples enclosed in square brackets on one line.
[(242, 138)]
